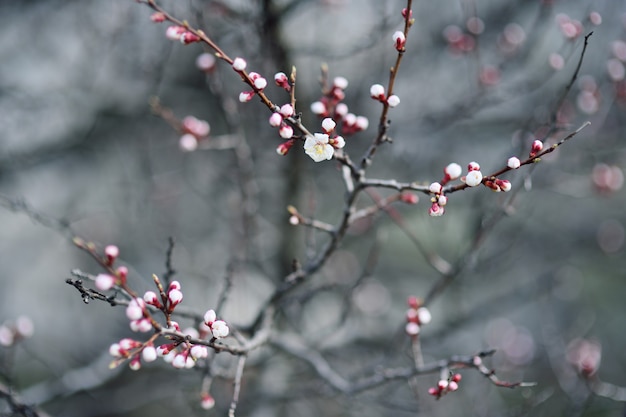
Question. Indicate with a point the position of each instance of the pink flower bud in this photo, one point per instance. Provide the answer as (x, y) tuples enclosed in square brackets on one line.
[(452, 386), (435, 188), (423, 315), (188, 143), (473, 178), (104, 282), (399, 40), (456, 377), (276, 119), (504, 185), (433, 391), (285, 131), (174, 285), (328, 125), (404, 13), (187, 37), (209, 317), (442, 200), (260, 83), (393, 100), (436, 210), (287, 110), (122, 273), (207, 402), (452, 171), (337, 142), (115, 350), (179, 361), (149, 354), (111, 252), (536, 147), (219, 329), (157, 17), (413, 302), (442, 384), (142, 325), (284, 147), (174, 32), (175, 297), (134, 310), (341, 109), (412, 329), (473, 166), (199, 351), (151, 298), (595, 18), (513, 163), (319, 108), (340, 82), (377, 92), (556, 61), (409, 198), (281, 80), (135, 364), (239, 64), (362, 123), (246, 96), (206, 62)]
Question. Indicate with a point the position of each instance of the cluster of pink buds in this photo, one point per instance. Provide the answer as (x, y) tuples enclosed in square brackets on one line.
[(458, 41), (182, 34), (169, 301), (217, 328), (322, 146), (377, 92), (331, 105), (285, 131), (450, 173), (416, 316), (105, 282), (473, 177), (194, 130), (13, 332), (134, 350), (570, 28), (255, 79), (445, 386), (182, 355)]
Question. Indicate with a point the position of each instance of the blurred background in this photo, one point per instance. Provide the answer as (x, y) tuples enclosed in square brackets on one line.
[(538, 271)]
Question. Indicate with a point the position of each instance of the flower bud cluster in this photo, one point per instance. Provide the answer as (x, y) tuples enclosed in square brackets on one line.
[(217, 328), (331, 105), (255, 79), (322, 146), (473, 177), (179, 33), (13, 332), (193, 130), (377, 92), (445, 386), (416, 316), (104, 281), (285, 131)]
